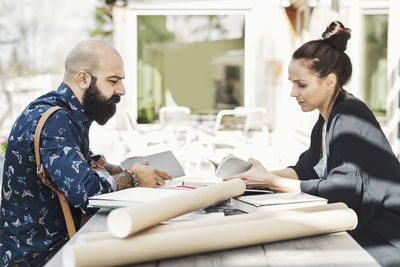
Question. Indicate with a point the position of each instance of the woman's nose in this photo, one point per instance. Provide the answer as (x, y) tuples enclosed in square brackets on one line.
[(294, 92)]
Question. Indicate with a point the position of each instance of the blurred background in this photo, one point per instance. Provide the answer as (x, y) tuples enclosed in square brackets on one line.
[(203, 78)]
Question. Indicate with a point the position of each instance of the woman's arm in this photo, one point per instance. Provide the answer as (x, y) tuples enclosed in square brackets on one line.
[(287, 173)]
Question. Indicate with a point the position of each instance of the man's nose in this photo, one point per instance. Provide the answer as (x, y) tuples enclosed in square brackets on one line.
[(121, 89)]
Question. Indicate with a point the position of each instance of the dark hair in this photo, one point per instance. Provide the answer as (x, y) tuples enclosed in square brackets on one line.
[(327, 54)]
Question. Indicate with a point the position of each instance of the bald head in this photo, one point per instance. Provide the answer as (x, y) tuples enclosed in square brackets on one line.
[(94, 63), (87, 56)]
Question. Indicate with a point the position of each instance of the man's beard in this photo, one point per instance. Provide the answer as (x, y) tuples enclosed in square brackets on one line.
[(96, 106)]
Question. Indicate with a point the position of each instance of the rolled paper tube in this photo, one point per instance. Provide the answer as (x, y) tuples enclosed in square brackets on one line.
[(148, 247), (92, 237), (126, 221)]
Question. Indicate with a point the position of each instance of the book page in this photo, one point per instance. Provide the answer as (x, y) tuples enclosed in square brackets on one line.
[(231, 165), (163, 161)]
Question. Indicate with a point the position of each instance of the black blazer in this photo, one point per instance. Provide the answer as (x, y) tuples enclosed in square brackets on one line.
[(363, 172)]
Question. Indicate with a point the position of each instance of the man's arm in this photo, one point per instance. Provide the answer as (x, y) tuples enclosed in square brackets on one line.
[(66, 164), (113, 169), (123, 180), (147, 176), (99, 160)]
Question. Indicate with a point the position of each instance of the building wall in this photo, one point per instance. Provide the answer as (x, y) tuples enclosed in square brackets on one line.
[(183, 66), (270, 48), (394, 75)]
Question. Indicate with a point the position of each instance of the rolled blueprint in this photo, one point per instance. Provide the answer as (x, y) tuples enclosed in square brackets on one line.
[(98, 236), (126, 221), (154, 246)]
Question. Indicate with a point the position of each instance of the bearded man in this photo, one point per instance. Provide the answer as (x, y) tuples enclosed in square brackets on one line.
[(32, 225)]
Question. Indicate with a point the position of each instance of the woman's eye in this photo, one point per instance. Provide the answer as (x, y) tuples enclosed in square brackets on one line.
[(301, 85), (113, 82)]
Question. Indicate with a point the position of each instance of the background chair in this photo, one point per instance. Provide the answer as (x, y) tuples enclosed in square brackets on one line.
[(176, 123), (178, 115), (230, 120), (255, 121)]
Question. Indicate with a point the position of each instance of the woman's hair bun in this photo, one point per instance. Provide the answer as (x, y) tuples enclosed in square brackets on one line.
[(337, 35)]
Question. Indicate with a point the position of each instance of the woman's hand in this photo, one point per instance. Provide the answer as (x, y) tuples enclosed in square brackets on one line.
[(259, 177), (256, 177), (148, 176)]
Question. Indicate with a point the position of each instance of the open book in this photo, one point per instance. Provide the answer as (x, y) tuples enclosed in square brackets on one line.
[(230, 165), (276, 201), (163, 161)]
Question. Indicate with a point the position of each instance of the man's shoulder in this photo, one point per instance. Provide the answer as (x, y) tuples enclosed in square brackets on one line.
[(43, 103), (35, 111)]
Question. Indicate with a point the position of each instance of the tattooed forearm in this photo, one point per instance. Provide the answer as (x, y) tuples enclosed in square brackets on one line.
[(123, 180), (113, 169)]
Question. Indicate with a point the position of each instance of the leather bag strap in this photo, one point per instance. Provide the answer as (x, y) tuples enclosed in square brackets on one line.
[(69, 221)]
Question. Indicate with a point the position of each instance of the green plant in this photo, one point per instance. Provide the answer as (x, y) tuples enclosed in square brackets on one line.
[(3, 144)]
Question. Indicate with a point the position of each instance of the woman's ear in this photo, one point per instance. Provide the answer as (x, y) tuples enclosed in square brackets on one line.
[(83, 80), (331, 81)]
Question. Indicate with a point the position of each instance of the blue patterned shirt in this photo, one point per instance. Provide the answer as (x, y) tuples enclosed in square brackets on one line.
[(32, 221)]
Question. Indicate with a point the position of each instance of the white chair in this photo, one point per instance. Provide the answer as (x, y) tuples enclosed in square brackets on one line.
[(255, 120), (230, 120), (178, 115), (229, 125), (130, 120), (176, 124)]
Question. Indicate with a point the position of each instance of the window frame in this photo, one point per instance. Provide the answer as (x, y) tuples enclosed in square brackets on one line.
[(371, 8), (189, 9)]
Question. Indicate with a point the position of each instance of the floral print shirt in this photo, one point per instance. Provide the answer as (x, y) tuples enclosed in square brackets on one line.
[(32, 221)]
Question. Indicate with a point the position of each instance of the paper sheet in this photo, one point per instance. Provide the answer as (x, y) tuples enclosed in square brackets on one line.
[(164, 161), (126, 221), (180, 242)]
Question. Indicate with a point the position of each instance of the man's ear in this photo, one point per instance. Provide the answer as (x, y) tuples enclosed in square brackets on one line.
[(83, 79), (331, 81)]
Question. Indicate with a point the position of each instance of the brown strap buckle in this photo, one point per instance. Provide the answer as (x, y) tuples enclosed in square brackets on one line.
[(42, 175)]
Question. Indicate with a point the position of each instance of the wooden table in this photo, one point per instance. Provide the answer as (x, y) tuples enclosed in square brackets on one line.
[(337, 249)]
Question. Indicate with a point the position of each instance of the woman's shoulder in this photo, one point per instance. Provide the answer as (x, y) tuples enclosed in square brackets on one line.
[(349, 106)]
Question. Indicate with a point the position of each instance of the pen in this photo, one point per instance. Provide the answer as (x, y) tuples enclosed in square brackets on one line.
[(191, 187)]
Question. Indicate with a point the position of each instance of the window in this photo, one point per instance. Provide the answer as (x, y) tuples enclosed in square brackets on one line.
[(189, 60), (374, 61)]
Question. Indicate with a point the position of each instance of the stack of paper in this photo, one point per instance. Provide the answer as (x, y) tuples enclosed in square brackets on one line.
[(276, 201)]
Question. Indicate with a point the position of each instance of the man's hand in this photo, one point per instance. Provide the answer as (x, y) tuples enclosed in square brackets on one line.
[(148, 176), (94, 167)]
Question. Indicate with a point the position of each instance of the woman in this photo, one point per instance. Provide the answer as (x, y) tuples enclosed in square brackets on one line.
[(349, 159)]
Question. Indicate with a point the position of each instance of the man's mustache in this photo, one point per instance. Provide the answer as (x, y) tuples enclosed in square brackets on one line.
[(114, 99)]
